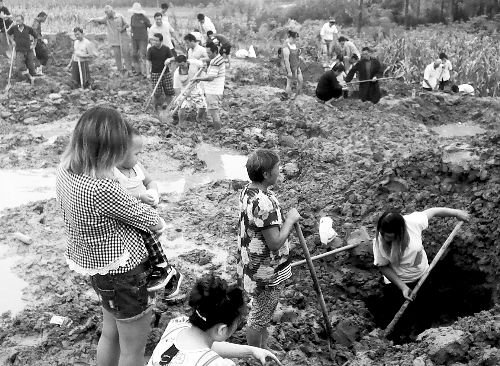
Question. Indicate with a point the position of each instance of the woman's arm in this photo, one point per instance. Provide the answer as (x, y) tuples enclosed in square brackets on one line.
[(231, 350), (388, 272), (446, 212), (275, 237)]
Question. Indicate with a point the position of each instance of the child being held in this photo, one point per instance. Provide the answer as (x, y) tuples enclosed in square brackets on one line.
[(136, 180)]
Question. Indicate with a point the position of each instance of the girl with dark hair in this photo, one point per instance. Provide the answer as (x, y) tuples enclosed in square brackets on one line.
[(291, 58), (103, 226), (399, 254), (263, 263), (217, 310)]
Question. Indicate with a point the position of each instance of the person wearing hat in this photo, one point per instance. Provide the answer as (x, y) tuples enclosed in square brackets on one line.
[(432, 73), (139, 24), (329, 35), (369, 70)]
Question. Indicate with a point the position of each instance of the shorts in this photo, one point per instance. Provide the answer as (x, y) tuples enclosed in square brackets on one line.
[(214, 101), (195, 100), (225, 50), (166, 84), (264, 303), (125, 295)]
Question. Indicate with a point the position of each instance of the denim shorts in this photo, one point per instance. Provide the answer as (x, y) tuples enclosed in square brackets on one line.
[(125, 295)]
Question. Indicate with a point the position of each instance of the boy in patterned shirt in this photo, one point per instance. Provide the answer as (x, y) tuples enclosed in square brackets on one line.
[(263, 263)]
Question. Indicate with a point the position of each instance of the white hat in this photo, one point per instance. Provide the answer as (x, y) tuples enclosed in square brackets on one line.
[(137, 9)]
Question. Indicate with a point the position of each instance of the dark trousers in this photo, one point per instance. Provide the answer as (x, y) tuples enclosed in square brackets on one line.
[(75, 74), (443, 83), (42, 52), (139, 49), (25, 61)]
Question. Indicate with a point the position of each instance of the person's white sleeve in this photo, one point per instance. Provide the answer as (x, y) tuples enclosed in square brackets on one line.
[(323, 31), (418, 220), (177, 81), (378, 259), (195, 62), (222, 362), (427, 73)]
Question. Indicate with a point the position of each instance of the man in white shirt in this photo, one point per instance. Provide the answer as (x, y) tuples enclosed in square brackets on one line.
[(163, 27), (195, 51), (214, 84), (431, 75), (329, 35), (205, 25), (84, 52)]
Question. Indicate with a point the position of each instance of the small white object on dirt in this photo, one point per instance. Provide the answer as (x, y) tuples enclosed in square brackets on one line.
[(60, 320), (23, 238), (241, 53), (251, 52), (326, 232), (155, 195)]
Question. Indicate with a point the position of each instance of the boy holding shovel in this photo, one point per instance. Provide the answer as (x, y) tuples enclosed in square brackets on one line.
[(83, 53)]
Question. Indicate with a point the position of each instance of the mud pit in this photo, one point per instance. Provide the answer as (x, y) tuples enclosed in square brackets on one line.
[(350, 163)]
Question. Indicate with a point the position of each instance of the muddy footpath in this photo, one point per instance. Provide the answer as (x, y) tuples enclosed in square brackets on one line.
[(350, 162)]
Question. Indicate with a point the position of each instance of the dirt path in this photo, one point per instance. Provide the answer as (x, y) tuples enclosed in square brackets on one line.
[(350, 163)]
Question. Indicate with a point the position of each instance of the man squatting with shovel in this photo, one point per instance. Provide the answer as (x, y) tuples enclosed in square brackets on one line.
[(21, 38)]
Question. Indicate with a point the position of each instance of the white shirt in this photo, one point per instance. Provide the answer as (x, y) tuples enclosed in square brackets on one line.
[(431, 75), (207, 25), (184, 357), (446, 68), (414, 260), (216, 68), (466, 89), (340, 79), (165, 30), (84, 50), (134, 185), (328, 33)]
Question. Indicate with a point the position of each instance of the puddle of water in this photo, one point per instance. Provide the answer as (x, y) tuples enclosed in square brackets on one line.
[(11, 286), (19, 187), (458, 130)]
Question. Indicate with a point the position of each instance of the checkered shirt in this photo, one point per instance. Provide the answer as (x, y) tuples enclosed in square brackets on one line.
[(103, 224)]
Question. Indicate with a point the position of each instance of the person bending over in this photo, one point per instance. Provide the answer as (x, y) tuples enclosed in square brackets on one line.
[(328, 84)]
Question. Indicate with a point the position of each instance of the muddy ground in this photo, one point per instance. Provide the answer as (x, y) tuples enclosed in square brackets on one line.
[(350, 162)]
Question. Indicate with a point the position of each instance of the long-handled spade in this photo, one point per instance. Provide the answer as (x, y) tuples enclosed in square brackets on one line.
[(155, 88), (413, 294), (81, 74), (398, 76), (12, 56), (317, 288), (7, 37), (124, 69)]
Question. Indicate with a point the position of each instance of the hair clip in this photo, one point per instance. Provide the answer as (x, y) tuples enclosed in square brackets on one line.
[(202, 317)]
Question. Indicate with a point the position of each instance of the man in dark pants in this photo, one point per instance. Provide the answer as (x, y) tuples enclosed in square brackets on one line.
[(368, 68), (20, 35), (41, 49), (328, 84), (158, 57), (139, 24)]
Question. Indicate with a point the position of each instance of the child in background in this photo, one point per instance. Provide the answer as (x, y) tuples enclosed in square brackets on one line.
[(134, 178)]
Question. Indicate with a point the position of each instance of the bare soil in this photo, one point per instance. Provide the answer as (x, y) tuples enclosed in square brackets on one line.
[(350, 162)]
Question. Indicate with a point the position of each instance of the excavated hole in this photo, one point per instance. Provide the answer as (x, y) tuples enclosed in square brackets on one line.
[(456, 291)]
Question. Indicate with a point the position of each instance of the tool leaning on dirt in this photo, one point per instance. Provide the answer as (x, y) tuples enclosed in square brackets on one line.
[(155, 88), (177, 102), (12, 57)]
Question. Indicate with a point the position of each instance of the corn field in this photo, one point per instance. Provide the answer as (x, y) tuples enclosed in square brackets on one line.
[(475, 59)]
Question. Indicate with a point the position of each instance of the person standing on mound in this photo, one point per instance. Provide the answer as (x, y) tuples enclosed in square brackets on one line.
[(263, 263)]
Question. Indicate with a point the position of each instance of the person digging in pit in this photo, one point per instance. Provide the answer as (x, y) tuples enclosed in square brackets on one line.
[(84, 52), (214, 84), (22, 38), (400, 255), (41, 49), (263, 263), (158, 57), (328, 85), (432, 73), (368, 70)]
